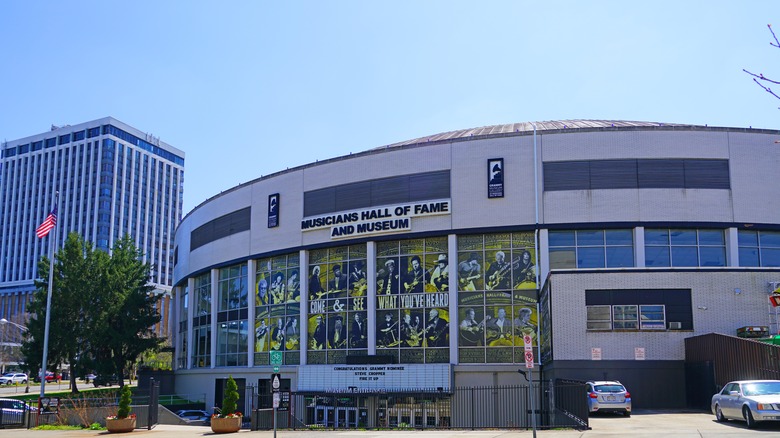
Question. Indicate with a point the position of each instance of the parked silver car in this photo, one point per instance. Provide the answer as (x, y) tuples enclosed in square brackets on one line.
[(10, 378), (748, 400), (608, 396)]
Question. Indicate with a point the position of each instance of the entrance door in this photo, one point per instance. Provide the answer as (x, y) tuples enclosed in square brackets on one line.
[(323, 416), (346, 418)]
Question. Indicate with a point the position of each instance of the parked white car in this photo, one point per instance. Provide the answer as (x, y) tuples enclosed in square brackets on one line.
[(748, 400), (10, 378)]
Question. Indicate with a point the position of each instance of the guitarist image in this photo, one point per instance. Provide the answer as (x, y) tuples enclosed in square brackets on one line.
[(357, 279), (436, 330), (415, 280), (338, 336), (277, 335), (357, 335), (468, 272), (318, 337), (471, 331), (499, 273), (315, 286)]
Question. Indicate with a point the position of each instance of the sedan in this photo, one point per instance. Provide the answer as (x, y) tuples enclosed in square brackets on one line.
[(748, 400), (193, 415)]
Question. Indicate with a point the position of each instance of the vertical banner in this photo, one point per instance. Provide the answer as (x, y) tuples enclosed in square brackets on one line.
[(273, 210), (495, 177)]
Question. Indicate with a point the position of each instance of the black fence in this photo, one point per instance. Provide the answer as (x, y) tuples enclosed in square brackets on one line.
[(558, 404)]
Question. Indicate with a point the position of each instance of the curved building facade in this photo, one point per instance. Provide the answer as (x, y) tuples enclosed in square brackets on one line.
[(576, 249)]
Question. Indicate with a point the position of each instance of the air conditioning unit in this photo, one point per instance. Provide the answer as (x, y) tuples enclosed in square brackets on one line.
[(675, 325)]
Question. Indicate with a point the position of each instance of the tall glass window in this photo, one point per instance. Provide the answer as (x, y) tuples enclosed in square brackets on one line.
[(232, 288), (584, 249), (203, 294), (337, 286), (232, 337), (277, 301), (759, 248), (181, 360), (201, 348), (684, 247)]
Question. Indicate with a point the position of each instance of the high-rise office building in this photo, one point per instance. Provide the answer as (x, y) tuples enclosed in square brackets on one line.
[(112, 180)]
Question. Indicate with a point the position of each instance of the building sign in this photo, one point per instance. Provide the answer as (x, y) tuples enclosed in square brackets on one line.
[(495, 177), (273, 210), (639, 353), (374, 378), (369, 221), (595, 353)]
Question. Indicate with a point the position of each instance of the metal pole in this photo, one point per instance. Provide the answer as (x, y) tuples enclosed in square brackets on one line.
[(52, 245), (533, 404)]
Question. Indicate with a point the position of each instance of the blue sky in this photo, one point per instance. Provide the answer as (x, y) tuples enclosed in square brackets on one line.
[(247, 88)]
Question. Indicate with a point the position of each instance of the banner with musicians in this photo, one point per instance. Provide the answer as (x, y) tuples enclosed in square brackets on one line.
[(277, 308), (337, 286), (497, 297), (412, 301)]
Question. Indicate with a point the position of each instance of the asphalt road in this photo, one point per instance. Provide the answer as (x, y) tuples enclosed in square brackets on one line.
[(35, 388), (642, 424)]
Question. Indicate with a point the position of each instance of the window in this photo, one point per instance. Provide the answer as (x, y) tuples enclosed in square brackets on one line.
[(632, 174), (639, 309), (232, 288), (599, 317), (759, 248), (626, 317), (583, 249), (684, 247)]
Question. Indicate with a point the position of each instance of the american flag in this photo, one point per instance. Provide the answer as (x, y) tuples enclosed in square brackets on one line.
[(48, 224)]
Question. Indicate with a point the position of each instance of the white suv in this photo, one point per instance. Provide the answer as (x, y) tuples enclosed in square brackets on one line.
[(608, 396), (9, 378)]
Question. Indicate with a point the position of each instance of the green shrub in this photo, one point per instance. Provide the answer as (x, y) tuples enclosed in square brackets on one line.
[(124, 402), (231, 397)]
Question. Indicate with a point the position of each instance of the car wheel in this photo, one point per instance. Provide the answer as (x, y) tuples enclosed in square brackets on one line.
[(24, 382), (627, 413), (719, 415), (751, 423)]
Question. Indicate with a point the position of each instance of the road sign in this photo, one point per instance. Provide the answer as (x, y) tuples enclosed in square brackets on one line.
[(529, 359), (528, 342), (276, 368), (277, 399), (276, 358), (276, 382)]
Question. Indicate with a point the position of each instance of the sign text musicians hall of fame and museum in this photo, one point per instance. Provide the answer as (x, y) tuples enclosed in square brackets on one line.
[(391, 218)]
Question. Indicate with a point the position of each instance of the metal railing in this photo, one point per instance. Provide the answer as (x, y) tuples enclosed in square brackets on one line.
[(559, 404)]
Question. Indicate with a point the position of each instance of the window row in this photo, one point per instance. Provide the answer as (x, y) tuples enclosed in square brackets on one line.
[(583, 249)]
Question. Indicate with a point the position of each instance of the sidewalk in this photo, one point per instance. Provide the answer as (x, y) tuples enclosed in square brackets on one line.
[(643, 424)]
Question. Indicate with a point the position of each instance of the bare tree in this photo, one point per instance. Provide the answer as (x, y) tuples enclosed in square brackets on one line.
[(759, 78)]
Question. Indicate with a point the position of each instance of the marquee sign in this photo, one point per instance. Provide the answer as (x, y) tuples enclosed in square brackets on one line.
[(377, 220), (374, 378)]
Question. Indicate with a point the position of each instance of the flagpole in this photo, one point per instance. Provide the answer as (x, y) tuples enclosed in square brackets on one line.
[(52, 245)]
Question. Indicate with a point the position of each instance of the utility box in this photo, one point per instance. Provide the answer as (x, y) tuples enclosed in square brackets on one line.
[(753, 331)]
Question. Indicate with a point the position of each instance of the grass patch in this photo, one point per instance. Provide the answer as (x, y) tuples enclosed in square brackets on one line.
[(57, 427)]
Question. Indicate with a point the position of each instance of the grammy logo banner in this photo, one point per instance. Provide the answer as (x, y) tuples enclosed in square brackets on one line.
[(273, 210), (495, 176)]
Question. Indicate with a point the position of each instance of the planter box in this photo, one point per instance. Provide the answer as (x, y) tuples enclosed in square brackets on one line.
[(225, 425), (120, 425)]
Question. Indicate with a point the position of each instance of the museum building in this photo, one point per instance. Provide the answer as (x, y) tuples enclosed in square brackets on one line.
[(434, 264)]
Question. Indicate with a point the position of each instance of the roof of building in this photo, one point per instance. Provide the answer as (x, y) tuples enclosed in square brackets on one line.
[(546, 126)]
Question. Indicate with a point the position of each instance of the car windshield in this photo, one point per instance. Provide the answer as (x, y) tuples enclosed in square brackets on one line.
[(610, 388), (761, 388)]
